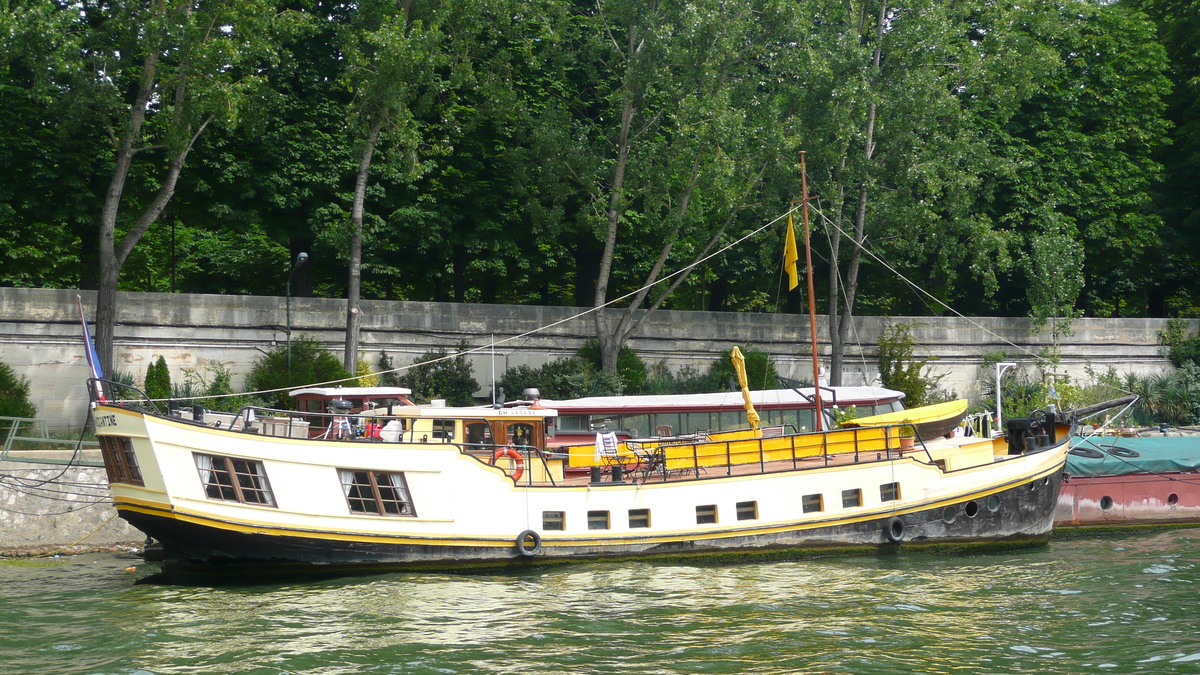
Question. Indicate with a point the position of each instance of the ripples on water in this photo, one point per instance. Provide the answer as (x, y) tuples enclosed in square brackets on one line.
[(1088, 605)]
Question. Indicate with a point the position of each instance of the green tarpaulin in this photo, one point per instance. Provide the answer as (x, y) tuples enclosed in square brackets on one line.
[(1117, 455)]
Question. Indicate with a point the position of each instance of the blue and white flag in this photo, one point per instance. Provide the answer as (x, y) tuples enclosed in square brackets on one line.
[(89, 351)]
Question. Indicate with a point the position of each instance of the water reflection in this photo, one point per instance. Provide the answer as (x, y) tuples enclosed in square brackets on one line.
[(1081, 605)]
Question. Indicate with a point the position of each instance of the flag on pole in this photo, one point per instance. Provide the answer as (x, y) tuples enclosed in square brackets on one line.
[(791, 255), (89, 351)]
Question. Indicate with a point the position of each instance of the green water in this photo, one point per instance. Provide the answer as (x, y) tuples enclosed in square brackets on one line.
[(1100, 605)]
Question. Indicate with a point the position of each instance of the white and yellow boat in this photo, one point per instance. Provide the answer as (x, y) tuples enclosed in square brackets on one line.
[(429, 487)]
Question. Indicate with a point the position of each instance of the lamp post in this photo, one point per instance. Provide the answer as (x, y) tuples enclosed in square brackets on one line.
[(300, 258), (1000, 368)]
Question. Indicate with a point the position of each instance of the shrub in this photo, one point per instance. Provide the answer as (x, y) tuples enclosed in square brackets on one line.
[(14, 395), (158, 379), (899, 368), (760, 371), (630, 366), (572, 377), (311, 364), (448, 378)]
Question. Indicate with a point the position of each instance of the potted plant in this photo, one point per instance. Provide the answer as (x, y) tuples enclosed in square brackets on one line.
[(908, 437)]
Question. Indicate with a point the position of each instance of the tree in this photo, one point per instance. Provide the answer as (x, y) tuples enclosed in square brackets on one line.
[(395, 55), (154, 76), (656, 128)]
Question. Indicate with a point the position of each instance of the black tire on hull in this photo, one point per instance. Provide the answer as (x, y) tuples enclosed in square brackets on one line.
[(526, 537), (893, 529)]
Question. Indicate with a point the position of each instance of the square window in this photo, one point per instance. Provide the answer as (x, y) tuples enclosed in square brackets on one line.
[(554, 520), (851, 498), (598, 520), (747, 510), (813, 503), (379, 493), (706, 514), (889, 492), (234, 480), (639, 518)]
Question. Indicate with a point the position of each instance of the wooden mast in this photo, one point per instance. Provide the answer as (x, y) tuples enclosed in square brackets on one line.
[(812, 308)]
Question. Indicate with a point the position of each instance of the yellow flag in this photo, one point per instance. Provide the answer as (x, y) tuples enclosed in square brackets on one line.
[(790, 255)]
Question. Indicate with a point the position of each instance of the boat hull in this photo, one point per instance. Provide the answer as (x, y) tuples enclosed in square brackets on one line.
[(462, 512), (1017, 517), (1129, 500)]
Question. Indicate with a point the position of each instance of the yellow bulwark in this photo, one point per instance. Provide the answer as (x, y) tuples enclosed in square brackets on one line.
[(745, 446)]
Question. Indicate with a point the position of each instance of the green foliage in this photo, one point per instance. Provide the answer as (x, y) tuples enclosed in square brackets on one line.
[(760, 370), (435, 374), (158, 379), (630, 367), (572, 377), (14, 396), (311, 364), (212, 387), (1181, 349), (900, 369)]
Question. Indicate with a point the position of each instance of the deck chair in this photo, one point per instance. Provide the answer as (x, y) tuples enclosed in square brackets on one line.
[(650, 460)]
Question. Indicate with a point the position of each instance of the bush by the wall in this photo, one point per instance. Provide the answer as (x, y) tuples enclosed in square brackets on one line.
[(158, 379), (311, 364)]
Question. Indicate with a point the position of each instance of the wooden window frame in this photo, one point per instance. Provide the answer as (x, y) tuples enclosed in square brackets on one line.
[(814, 503), (373, 491), (236, 490), (892, 489), (120, 461)]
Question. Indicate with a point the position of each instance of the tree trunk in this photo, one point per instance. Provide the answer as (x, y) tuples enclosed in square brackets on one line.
[(354, 284), (839, 326)]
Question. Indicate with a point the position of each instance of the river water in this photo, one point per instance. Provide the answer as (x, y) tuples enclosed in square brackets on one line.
[(1101, 605)]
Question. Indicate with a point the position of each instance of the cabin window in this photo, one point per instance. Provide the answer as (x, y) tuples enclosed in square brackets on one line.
[(479, 433), (851, 498), (747, 510), (120, 461), (706, 514), (443, 429), (573, 423), (597, 520), (520, 435), (637, 425), (813, 503), (696, 421), (380, 493), (554, 520), (234, 480), (639, 518), (889, 492)]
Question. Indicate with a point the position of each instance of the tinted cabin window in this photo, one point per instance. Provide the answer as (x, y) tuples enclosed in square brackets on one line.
[(747, 510)]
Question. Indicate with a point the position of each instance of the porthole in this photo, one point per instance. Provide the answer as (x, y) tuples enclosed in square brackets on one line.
[(1106, 503), (971, 509), (993, 504), (949, 514), (1172, 499)]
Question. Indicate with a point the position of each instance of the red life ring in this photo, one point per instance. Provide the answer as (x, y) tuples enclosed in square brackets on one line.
[(515, 456)]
